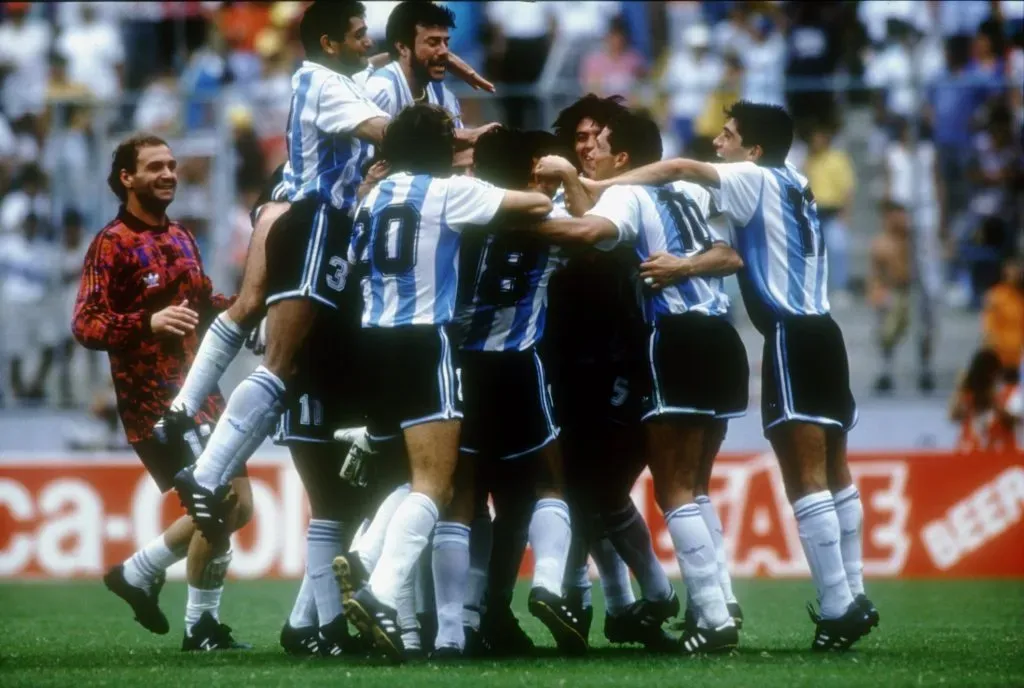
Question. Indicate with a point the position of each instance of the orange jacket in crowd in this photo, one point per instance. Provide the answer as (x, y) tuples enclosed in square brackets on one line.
[(1002, 324)]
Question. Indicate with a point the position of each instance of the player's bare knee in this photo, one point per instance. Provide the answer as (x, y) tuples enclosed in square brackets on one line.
[(801, 451), (241, 512)]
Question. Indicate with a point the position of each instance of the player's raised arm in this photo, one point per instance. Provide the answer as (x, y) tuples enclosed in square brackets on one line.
[(530, 203), (589, 230), (666, 172), (578, 199)]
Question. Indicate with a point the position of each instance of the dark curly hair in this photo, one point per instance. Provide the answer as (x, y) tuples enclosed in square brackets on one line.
[(125, 158), (420, 140)]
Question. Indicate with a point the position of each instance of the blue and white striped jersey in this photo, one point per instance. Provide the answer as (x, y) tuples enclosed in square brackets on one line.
[(672, 219), (324, 157), (405, 245), (776, 231), (388, 88), (503, 291)]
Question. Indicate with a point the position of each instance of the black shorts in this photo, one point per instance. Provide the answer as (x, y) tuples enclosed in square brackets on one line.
[(163, 461), (508, 404), (698, 367), (307, 251), (410, 376), (592, 395), (805, 374)]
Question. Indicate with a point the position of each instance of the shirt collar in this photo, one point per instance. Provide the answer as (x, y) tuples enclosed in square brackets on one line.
[(137, 224)]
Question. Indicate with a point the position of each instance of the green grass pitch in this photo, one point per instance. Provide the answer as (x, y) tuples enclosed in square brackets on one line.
[(953, 633)]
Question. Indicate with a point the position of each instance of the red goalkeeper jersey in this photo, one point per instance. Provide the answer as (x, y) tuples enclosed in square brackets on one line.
[(132, 270)]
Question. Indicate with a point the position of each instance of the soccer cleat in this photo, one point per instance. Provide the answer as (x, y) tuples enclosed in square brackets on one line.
[(375, 620), (868, 607), (736, 613), (501, 632), (336, 640), (705, 641), (565, 623), (575, 599), (641, 622), (145, 604), (208, 634), (180, 431), (350, 574), (839, 634), (476, 644), (446, 653), (414, 654), (300, 642), (209, 510)]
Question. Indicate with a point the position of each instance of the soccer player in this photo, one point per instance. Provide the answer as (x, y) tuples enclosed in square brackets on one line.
[(331, 128), (697, 360), (806, 404), (142, 298), (595, 346), (405, 247)]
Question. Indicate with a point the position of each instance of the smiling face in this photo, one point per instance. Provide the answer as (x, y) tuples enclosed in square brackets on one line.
[(729, 144), (429, 56), (155, 179), (349, 54), (602, 161), (585, 141)]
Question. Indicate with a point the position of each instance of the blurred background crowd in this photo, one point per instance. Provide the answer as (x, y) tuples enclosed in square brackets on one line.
[(909, 121)]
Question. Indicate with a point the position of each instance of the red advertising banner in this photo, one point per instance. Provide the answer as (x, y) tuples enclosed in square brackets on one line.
[(925, 515)]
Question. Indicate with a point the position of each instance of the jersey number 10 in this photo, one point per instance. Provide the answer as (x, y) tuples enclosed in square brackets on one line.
[(693, 231)]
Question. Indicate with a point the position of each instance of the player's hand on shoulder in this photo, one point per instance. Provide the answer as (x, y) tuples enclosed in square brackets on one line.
[(662, 269), (174, 321), (554, 166)]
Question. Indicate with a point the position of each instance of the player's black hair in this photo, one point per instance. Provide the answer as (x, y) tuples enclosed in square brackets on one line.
[(420, 140), (126, 156), (599, 109), (503, 157), (637, 135), (329, 19), (545, 143), (983, 370), (765, 125), (403, 20)]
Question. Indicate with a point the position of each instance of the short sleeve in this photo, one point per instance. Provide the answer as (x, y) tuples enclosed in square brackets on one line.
[(342, 107), (470, 201), (618, 205), (739, 191)]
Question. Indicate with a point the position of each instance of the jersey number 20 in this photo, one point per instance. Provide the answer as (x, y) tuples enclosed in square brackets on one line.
[(391, 240)]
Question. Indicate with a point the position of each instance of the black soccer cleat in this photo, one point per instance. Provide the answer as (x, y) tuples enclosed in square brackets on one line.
[(208, 634), (350, 574), (575, 599), (335, 640), (839, 634), (209, 509), (301, 642), (565, 623), (502, 633), (706, 641), (477, 645), (736, 613), (446, 653), (145, 605), (180, 432), (376, 620), (641, 622), (868, 607)]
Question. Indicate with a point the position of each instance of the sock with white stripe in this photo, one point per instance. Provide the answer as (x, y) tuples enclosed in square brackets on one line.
[(407, 536), (408, 623), (550, 537), (714, 524), (142, 568), (818, 526), (304, 610), (850, 513), (696, 555), (323, 543), (369, 545), (618, 591), (480, 540), (251, 414), (220, 345), (451, 574), (628, 532)]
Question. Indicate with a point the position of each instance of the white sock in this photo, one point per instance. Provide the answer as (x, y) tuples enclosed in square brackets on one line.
[(710, 516), (200, 601), (818, 526), (696, 555), (371, 542), (220, 345), (323, 544), (550, 537), (141, 568), (405, 605), (618, 591), (451, 574), (251, 414), (304, 610), (632, 540), (850, 513), (406, 537), (480, 540)]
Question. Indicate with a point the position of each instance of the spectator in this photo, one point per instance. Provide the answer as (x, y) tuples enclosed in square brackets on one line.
[(901, 69), (94, 54), (68, 161), (692, 73), (712, 119), (813, 42), (26, 261), (205, 73), (1002, 320), (271, 97), (830, 173), (72, 258), (24, 47), (160, 107), (616, 67), (520, 38), (764, 62), (979, 404), (29, 197), (888, 287), (61, 87)]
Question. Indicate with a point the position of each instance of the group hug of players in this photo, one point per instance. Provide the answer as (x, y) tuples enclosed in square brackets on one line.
[(473, 314)]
